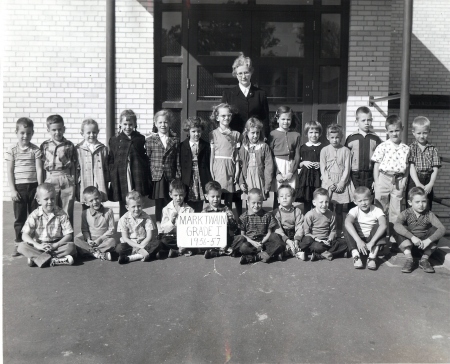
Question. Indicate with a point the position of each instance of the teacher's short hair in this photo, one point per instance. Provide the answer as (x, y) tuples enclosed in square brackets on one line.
[(242, 61)]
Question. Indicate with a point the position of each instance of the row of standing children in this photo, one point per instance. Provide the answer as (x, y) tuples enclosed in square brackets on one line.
[(131, 157)]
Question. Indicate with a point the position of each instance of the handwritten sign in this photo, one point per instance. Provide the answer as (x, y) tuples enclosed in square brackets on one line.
[(197, 230)]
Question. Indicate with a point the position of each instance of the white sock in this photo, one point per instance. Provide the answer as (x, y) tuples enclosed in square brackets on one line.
[(135, 257), (355, 253)]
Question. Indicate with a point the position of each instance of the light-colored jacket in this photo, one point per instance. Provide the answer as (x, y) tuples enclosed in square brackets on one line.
[(166, 224)]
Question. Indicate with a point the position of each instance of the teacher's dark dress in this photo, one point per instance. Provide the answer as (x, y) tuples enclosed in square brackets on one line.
[(255, 104)]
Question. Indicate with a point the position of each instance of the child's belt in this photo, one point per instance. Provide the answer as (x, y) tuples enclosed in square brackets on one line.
[(395, 178)]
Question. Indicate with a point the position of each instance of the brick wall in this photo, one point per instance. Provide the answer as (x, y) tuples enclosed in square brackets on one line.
[(368, 67), (54, 62)]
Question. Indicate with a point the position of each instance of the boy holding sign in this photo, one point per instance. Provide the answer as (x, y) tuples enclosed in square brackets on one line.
[(213, 195), (257, 240)]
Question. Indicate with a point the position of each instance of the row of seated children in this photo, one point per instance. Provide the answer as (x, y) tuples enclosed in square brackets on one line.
[(56, 156), (47, 233)]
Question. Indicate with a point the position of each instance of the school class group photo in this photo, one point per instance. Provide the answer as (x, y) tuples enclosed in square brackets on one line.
[(245, 157)]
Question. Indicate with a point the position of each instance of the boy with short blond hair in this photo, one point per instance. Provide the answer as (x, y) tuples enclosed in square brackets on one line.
[(424, 158), (417, 228), (47, 234), (391, 170), (59, 157), (97, 227), (24, 171), (138, 231), (365, 229), (320, 230)]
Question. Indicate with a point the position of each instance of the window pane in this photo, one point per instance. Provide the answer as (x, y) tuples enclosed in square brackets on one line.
[(329, 85), (219, 1), (219, 37), (326, 118), (284, 2), (331, 2), (330, 44), (282, 39), (284, 84), (171, 34), (171, 83), (212, 81)]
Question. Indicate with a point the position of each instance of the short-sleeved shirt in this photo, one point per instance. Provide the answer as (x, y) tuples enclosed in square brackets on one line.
[(393, 158), (24, 160), (98, 223), (58, 157), (137, 228), (256, 226), (424, 160), (47, 227), (366, 221)]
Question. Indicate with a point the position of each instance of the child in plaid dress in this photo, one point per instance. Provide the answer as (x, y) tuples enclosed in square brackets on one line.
[(195, 154)]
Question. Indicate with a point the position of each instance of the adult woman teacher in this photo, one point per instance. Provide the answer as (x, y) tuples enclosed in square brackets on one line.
[(247, 101)]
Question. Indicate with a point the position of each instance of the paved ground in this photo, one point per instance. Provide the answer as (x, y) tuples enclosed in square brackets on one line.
[(192, 310)]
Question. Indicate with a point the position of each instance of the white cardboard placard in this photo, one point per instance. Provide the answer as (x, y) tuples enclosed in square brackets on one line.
[(202, 230)]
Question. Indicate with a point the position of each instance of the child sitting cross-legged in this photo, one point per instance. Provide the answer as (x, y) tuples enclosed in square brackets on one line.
[(47, 234), (167, 239), (257, 240), (97, 227), (365, 229), (417, 228), (137, 230), (214, 195), (320, 230), (290, 221)]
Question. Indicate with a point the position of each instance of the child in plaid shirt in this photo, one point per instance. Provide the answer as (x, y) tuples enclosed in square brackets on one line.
[(47, 234), (257, 240), (423, 159)]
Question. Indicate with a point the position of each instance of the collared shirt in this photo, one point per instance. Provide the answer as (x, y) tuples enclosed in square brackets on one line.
[(47, 227), (137, 228), (290, 222), (98, 223), (393, 158), (411, 223), (58, 157), (245, 90), (425, 160), (231, 223), (362, 146), (24, 160), (256, 226), (168, 211), (163, 138)]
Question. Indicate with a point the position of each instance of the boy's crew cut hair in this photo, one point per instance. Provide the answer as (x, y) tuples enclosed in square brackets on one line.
[(213, 186), (285, 110), (421, 121), (177, 185), (89, 122), (25, 122), (90, 190), (242, 61), (45, 187), (55, 119), (362, 110), (313, 125), (252, 123), (320, 192), (335, 128), (416, 191), (285, 186), (361, 190), (393, 120), (128, 115), (255, 192), (215, 111), (133, 195), (194, 122)]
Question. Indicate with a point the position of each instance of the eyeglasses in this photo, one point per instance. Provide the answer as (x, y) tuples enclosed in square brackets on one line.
[(240, 74)]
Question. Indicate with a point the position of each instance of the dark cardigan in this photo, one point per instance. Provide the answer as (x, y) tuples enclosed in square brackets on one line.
[(204, 155)]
